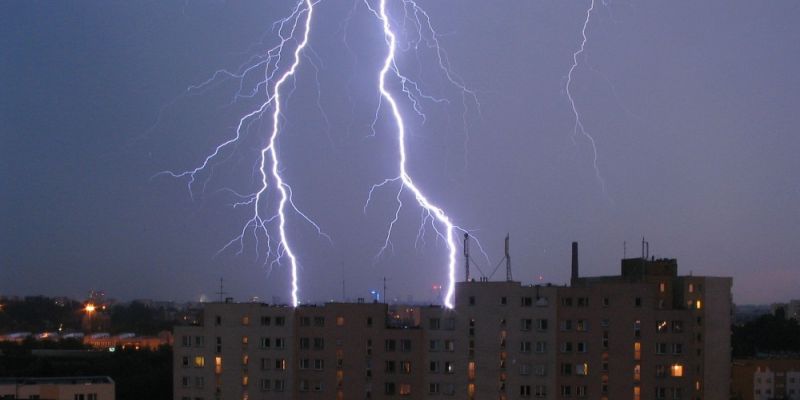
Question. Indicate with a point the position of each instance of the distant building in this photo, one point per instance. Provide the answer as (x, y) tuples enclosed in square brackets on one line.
[(128, 341), (644, 334), (766, 379), (790, 309), (69, 388)]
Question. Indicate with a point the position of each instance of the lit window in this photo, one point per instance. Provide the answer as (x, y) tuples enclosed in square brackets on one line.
[(245, 320), (405, 389), (339, 321), (637, 393), (245, 359), (199, 361), (637, 372), (637, 351), (698, 304), (217, 365), (245, 380), (691, 288), (470, 390), (471, 370), (676, 370), (662, 287), (582, 369), (245, 340)]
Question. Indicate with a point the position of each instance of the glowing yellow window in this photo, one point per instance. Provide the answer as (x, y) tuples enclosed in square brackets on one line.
[(471, 390), (245, 359), (637, 393), (637, 351), (637, 372), (245, 380), (676, 370), (662, 287), (245, 340), (218, 365), (245, 320), (471, 370), (405, 389), (691, 288), (199, 361), (339, 321), (698, 304)]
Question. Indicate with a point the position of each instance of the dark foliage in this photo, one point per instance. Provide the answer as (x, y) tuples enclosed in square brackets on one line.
[(767, 334), (38, 314), (138, 374)]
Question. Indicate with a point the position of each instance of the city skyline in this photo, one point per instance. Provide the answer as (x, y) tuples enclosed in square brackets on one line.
[(690, 111)]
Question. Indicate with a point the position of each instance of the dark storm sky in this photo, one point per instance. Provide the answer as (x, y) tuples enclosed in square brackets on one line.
[(693, 105)]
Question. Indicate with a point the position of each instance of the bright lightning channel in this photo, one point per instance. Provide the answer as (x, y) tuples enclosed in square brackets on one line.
[(269, 161), (432, 211), (578, 122)]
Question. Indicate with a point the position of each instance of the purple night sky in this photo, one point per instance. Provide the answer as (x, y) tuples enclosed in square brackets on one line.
[(693, 107)]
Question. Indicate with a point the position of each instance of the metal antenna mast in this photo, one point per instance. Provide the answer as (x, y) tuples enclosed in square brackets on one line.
[(508, 259), (466, 254)]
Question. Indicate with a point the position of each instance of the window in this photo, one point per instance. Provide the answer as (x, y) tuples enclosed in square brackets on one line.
[(265, 362), (185, 381), (566, 325), (637, 392), (339, 321), (305, 343), (676, 393), (676, 370), (319, 343), (303, 386), (582, 347), (433, 388), (541, 347), (217, 365), (540, 391), (279, 385), (526, 301), (637, 302), (525, 390), (583, 302), (566, 347), (319, 321), (662, 287), (245, 359), (185, 361), (434, 345), (605, 340), (540, 370), (280, 321), (264, 343), (280, 364), (472, 300), (661, 348), (369, 321), (305, 321), (582, 325), (449, 345), (434, 366), (606, 301), (526, 324), (582, 369), (566, 369), (305, 363), (448, 367), (245, 340), (450, 324), (199, 361), (186, 341), (319, 365), (637, 328), (405, 367), (677, 326), (503, 300), (637, 372), (566, 390), (662, 326), (637, 351), (698, 304), (389, 367), (405, 389), (541, 324), (246, 320), (218, 320), (388, 388), (390, 345), (691, 288), (660, 371), (434, 323), (566, 301), (405, 345), (266, 321), (581, 390), (280, 343), (199, 341), (677, 348), (525, 369), (525, 347)]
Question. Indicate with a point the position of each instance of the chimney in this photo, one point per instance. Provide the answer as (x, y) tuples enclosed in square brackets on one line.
[(574, 263)]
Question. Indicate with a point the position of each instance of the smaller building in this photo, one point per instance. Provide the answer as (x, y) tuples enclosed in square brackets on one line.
[(63, 388), (766, 379)]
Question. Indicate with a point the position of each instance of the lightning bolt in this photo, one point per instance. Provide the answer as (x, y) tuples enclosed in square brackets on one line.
[(431, 211), (268, 165), (578, 122)]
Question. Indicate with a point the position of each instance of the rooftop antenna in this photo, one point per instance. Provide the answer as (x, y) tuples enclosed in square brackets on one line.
[(466, 254), (221, 292), (624, 249), (508, 259), (384, 291)]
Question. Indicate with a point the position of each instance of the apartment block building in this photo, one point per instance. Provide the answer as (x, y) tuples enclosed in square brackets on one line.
[(644, 334), (766, 379)]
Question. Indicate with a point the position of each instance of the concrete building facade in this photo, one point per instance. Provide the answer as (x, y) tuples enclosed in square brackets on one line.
[(66, 388), (644, 334)]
